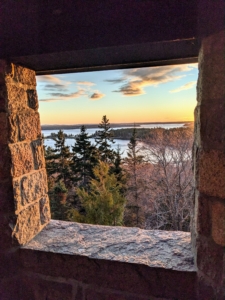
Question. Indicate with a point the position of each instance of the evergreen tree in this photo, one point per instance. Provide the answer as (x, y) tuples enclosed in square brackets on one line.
[(50, 166), (117, 170), (104, 140), (104, 203), (84, 158), (59, 159), (133, 160), (59, 206)]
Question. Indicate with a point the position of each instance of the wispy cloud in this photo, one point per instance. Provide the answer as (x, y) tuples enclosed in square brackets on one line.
[(186, 86), (64, 96), (88, 83), (118, 80), (52, 87), (48, 78), (135, 80), (96, 96)]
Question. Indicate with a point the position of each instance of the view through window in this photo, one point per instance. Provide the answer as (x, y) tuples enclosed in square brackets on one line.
[(118, 145)]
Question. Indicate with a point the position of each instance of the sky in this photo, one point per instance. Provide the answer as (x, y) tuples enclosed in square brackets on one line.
[(151, 94)]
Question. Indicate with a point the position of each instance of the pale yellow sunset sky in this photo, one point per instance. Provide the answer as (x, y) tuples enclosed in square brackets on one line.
[(153, 94)]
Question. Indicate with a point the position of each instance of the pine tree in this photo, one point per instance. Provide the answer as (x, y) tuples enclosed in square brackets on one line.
[(104, 140), (117, 170), (84, 158), (104, 203), (59, 206), (59, 159), (133, 160)]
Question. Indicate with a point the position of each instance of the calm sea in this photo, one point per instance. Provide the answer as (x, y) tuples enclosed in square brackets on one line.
[(118, 143)]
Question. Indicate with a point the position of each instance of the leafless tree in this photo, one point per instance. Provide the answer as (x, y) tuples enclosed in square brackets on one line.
[(170, 181)]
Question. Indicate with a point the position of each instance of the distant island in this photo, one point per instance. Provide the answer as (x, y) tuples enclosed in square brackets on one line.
[(113, 125), (119, 132)]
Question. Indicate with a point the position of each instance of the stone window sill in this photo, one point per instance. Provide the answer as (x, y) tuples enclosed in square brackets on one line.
[(154, 248)]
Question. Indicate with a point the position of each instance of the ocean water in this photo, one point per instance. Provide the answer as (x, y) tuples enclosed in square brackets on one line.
[(122, 144)]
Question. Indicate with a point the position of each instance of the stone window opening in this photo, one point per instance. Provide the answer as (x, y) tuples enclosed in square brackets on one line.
[(51, 78), (83, 273)]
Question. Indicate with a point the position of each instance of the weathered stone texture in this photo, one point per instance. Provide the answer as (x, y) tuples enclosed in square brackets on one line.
[(38, 152), (162, 249), (202, 214), (211, 66), (27, 224), (45, 213), (29, 125), (18, 74), (22, 158), (32, 99), (211, 179), (13, 128), (29, 188), (17, 98), (114, 261)]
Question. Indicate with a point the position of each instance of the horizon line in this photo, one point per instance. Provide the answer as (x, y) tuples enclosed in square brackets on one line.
[(117, 123)]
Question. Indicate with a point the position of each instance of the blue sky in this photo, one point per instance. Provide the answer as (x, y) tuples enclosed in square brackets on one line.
[(153, 94)]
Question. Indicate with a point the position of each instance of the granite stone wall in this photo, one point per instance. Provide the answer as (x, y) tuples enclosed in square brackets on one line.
[(24, 204), (208, 233)]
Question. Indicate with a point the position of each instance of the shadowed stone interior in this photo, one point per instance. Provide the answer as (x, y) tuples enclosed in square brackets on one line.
[(154, 248)]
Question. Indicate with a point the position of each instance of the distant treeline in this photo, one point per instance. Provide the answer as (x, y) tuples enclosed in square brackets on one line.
[(113, 125), (146, 133)]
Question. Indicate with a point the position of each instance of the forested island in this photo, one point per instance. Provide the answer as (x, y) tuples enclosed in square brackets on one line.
[(126, 133), (151, 188)]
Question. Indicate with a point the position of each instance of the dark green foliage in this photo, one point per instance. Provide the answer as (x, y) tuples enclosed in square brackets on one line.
[(104, 139), (132, 161), (59, 206), (148, 133), (104, 203), (58, 159), (85, 157), (117, 170)]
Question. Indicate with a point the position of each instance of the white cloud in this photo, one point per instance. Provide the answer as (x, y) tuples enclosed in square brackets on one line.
[(186, 86), (88, 83)]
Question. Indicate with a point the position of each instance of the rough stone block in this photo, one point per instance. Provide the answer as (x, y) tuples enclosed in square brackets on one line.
[(32, 99), (203, 214), (45, 210), (212, 173), (29, 126), (17, 98), (211, 69), (27, 224), (38, 152), (212, 125), (218, 222), (22, 159), (20, 74), (29, 188)]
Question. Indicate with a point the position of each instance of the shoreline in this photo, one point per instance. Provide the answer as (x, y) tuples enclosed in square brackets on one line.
[(112, 125)]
